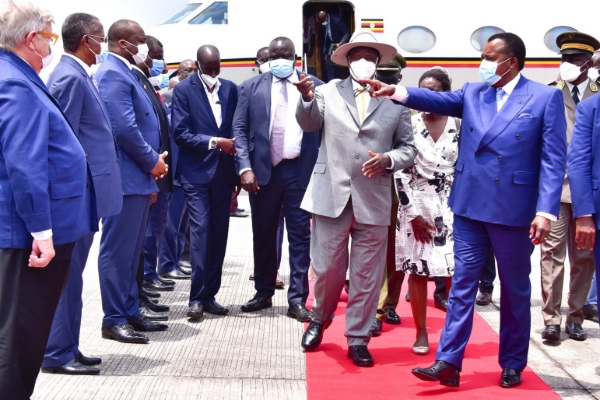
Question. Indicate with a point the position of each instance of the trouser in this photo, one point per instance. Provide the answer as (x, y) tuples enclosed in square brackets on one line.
[(283, 190), (234, 199), (28, 299), (488, 275), (119, 259), (63, 342), (173, 242), (512, 247), (155, 231), (553, 254), (593, 295), (329, 251)]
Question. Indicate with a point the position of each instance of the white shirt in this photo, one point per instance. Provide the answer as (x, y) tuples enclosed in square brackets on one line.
[(292, 141), (580, 88), (127, 63), (85, 67), (508, 89)]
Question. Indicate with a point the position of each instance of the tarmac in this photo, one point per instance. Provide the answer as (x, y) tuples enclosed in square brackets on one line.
[(258, 355)]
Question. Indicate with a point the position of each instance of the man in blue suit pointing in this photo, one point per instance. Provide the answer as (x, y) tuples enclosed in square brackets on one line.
[(72, 84), (509, 173)]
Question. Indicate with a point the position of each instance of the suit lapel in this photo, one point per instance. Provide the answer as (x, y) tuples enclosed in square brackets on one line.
[(347, 93), (513, 105), (265, 89), (489, 107), (201, 92), (374, 103), (223, 100)]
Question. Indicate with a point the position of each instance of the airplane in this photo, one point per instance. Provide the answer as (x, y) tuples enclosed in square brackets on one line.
[(450, 34)]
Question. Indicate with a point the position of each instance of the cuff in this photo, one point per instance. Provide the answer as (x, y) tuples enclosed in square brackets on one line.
[(547, 216), (307, 104), (244, 170), (391, 167), (43, 235), (584, 216), (401, 94)]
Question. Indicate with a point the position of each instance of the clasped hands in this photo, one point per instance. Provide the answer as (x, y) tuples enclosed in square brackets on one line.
[(161, 168)]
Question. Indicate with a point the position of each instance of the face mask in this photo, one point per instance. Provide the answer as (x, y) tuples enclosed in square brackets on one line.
[(487, 71), (264, 68), (100, 58), (282, 68), (157, 67), (185, 75), (154, 81), (593, 74), (46, 61), (208, 80), (142, 53), (164, 82), (362, 69), (569, 72)]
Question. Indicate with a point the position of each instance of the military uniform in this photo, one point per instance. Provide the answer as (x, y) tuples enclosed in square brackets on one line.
[(562, 234)]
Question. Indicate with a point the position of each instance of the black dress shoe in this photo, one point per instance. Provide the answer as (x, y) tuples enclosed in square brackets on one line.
[(590, 312), (212, 307), (575, 331), (299, 312), (257, 303), (483, 299), (392, 317), (166, 281), (510, 378), (150, 293), (441, 304), (123, 333), (89, 361), (73, 367), (241, 209), (551, 333), (184, 270), (313, 335), (175, 274), (238, 214), (150, 315), (185, 264), (143, 325), (195, 312), (159, 308), (360, 356), (447, 374), (376, 327), (158, 286)]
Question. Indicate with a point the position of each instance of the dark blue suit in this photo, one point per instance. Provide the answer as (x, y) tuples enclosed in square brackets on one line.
[(207, 178), (70, 84), (511, 165), (584, 166), (43, 185), (283, 185), (335, 32), (136, 128)]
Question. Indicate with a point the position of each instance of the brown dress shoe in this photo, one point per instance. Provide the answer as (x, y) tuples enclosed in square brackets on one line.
[(483, 299)]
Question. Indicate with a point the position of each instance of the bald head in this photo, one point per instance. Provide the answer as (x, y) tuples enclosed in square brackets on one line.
[(321, 16), (123, 38), (282, 47), (209, 60)]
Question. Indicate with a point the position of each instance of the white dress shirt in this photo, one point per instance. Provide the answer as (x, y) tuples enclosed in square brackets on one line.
[(508, 89), (580, 88), (215, 104), (127, 63), (85, 67)]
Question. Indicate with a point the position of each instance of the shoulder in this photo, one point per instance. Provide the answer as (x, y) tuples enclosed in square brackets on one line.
[(251, 82), (227, 84)]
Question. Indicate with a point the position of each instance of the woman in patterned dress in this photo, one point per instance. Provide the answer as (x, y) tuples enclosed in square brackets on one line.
[(425, 239)]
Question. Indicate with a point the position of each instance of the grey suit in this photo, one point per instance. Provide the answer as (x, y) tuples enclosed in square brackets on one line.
[(345, 203)]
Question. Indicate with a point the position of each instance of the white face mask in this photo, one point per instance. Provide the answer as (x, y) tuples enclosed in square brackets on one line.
[(46, 61), (155, 81), (264, 68), (208, 80), (593, 74), (142, 53), (362, 69), (569, 72)]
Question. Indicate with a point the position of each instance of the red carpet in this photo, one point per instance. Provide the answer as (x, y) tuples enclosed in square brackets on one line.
[(331, 375)]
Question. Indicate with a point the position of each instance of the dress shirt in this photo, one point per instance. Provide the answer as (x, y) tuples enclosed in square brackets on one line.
[(581, 88), (85, 67), (215, 104), (127, 63), (508, 89)]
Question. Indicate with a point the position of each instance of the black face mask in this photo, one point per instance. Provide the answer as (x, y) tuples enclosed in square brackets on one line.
[(387, 78)]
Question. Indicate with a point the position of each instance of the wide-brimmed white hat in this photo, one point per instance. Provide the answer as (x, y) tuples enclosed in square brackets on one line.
[(363, 39)]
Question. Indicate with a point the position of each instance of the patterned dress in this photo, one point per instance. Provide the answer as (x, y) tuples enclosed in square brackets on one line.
[(423, 189)]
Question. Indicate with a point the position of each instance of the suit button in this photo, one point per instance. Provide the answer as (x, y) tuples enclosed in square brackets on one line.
[(476, 154), (356, 156), (471, 128), (89, 185), (518, 136), (352, 177), (86, 156), (360, 136), (497, 180), (499, 158)]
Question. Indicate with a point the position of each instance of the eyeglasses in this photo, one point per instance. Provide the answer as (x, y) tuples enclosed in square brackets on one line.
[(52, 37), (102, 38)]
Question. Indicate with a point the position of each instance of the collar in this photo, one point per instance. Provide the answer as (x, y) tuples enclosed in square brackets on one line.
[(581, 87), (293, 78), (215, 88), (127, 64), (510, 86), (355, 85), (85, 67)]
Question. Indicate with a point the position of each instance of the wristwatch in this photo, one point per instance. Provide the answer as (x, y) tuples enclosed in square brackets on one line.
[(213, 143)]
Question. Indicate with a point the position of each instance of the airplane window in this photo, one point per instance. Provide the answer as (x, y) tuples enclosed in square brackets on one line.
[(552, 34), (215, 14), (416, 39), (181, 14), (480, 37)]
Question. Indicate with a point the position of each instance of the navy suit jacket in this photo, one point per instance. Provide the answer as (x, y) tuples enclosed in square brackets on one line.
[(252, 137), (194, 125), (83, 107), (135, 124), (584, 160), (511, 163), (43, 171), (339, 32)]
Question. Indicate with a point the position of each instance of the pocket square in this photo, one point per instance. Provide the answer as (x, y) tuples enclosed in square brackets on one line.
[(525, 116)]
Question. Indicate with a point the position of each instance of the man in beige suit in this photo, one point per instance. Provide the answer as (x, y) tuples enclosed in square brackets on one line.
[(576, 50), (349, 193)]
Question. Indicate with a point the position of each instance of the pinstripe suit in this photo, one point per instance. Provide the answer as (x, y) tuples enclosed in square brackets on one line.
[(70, 84), (346, 203)]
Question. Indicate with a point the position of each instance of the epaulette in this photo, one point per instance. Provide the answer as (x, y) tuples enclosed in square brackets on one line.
[(593, 87), (560, 85), (553, 83)]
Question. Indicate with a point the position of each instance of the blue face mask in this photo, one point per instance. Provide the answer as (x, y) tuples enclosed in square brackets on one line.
[(282, 68), (157, 67), (164, 82), (103, 52), (487, 71)]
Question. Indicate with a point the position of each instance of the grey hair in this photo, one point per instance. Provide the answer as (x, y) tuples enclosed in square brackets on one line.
[(18, 18)]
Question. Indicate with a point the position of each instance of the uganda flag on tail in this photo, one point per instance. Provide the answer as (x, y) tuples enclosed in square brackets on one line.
[(371, 24)]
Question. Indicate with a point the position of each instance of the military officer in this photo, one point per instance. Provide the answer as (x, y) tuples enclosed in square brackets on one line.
[(576, 51)]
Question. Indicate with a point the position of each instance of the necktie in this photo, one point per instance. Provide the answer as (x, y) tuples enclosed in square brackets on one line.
[(500, 98), (279, 123), (361, 105), (575, 95)]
